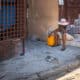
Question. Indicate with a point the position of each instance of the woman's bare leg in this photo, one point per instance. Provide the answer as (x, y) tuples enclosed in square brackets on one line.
[(63, 41)]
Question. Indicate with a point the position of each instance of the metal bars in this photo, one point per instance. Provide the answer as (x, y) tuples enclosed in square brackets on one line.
[(12, 19)]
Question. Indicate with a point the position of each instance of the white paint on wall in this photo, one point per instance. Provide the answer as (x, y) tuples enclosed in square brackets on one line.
[(61, 2)]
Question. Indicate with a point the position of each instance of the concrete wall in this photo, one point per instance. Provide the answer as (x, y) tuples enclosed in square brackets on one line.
[(43, 16)]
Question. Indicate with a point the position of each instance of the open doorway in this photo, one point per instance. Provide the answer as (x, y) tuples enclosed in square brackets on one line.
[(71, 12)]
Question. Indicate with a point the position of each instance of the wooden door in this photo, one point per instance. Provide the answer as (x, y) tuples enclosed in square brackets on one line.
[(72, 9)]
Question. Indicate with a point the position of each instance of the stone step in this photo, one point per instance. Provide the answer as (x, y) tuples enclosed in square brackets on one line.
[(75, 43)]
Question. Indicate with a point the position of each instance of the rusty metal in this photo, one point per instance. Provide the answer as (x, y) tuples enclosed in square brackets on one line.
[(12, 19), (12, 22)]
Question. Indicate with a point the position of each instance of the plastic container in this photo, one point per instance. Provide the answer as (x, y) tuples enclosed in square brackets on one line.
[(51, 40)]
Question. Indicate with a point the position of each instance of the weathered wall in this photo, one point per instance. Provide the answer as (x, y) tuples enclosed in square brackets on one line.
[(10, 48), (43, 14)]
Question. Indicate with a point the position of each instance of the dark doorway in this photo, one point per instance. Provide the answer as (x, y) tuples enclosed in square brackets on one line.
[(72, 9)]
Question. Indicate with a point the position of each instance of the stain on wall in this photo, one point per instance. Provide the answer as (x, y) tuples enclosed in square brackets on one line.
[(42, 16)]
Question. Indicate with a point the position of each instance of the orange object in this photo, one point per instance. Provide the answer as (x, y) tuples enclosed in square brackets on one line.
[(51, 40)]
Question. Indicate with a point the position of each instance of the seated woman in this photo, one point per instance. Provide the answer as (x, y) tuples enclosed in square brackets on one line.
[(61, 30)]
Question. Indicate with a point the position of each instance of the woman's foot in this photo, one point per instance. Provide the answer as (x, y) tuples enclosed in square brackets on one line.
[(63, 49)]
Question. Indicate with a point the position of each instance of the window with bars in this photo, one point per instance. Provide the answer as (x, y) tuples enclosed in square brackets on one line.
[(12, 19)]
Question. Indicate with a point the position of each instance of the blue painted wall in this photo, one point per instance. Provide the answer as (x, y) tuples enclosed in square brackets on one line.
[(7, 16)]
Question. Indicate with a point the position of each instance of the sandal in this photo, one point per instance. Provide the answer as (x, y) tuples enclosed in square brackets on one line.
[(63, 49)]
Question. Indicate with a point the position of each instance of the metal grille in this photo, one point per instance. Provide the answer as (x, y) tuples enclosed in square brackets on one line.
[(12, 19)]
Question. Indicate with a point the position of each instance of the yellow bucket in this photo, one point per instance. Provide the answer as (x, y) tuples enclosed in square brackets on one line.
[(51, 40)]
